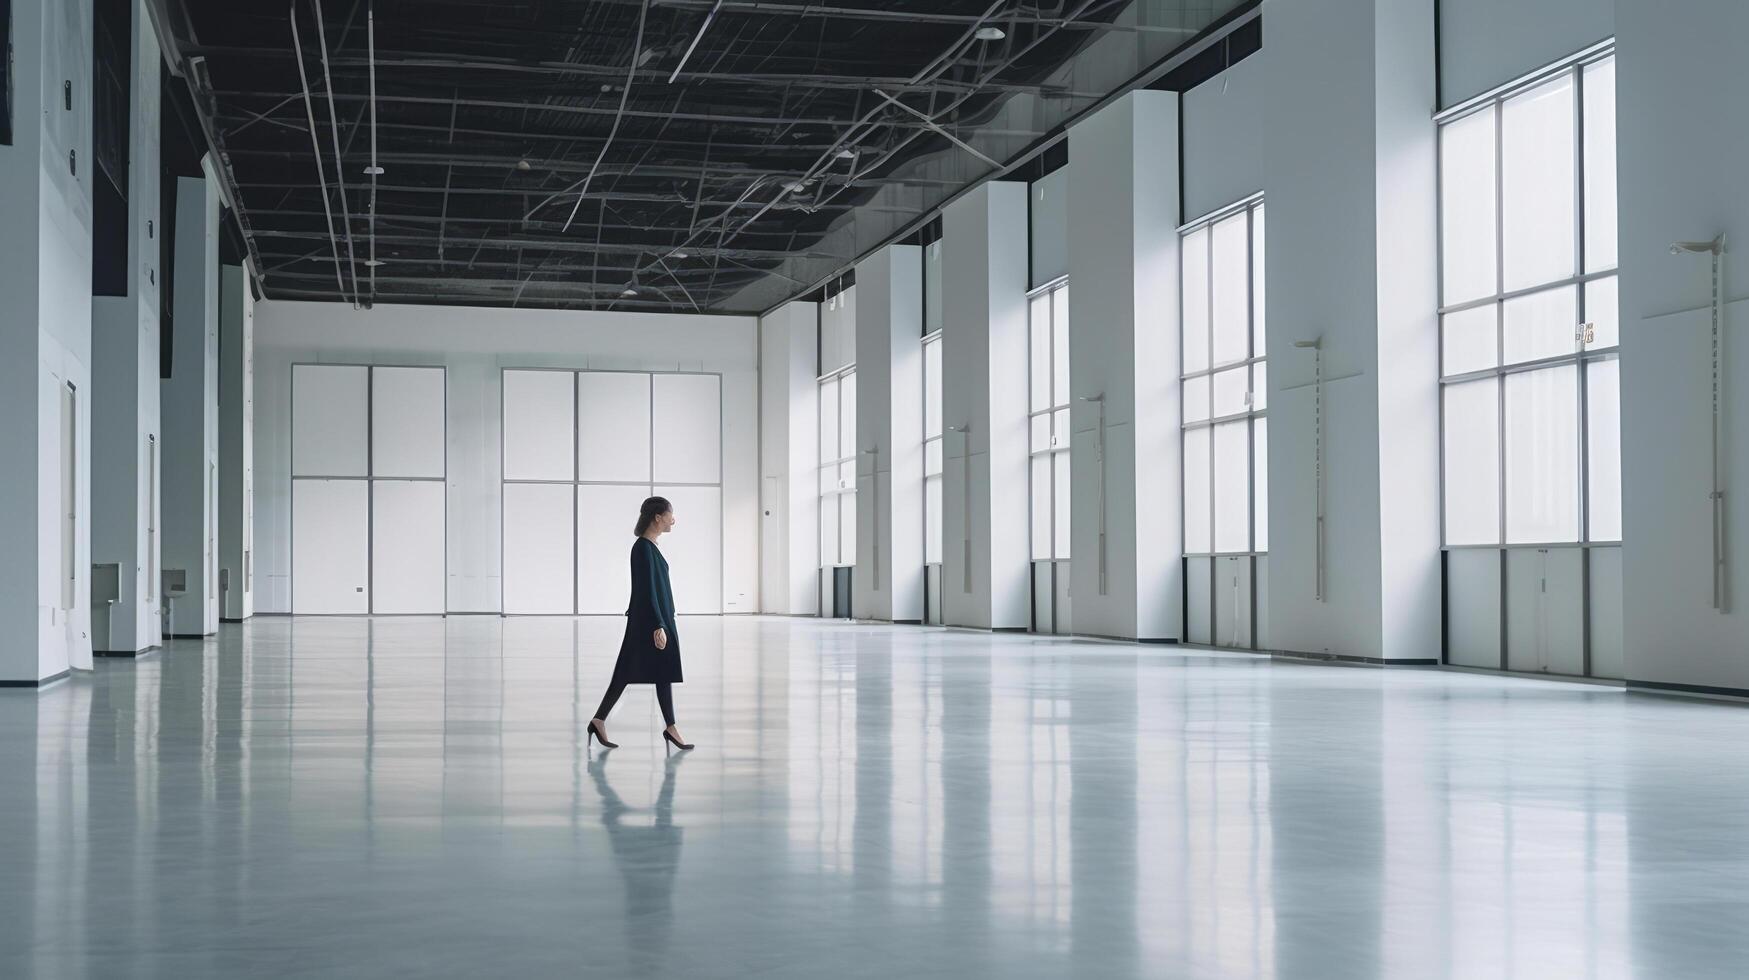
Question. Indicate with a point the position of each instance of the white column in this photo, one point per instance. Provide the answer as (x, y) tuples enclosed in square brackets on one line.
[(236, 444), (190, 411), (1124, 368), (1681, 89), (45, 347), (125, 355), (985, 525), (789, 495), (1350, 175), (888, 584)]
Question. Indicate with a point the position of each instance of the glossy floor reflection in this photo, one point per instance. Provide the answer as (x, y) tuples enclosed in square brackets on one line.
[(415, 797)]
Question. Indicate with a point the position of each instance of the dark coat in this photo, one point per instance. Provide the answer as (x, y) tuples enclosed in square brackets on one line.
[(652, 606)]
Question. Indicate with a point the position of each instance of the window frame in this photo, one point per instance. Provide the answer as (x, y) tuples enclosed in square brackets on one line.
[(1585, 352), (1254, 364), (836, 495), (935, 439), (1058, 445)]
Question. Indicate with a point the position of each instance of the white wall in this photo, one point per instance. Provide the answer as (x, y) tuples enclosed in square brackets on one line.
[(1485, 43), (125, 375), (1123, 337), (985, 567), (190, 409), (475, 346), (1223, 137), (1349, 170), (888, 583), (236, 442), (45, 286), (1682, 141), (789, 423), (1047, 202)]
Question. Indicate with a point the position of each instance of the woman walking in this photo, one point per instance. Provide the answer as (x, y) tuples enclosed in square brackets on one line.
[(650, 652)]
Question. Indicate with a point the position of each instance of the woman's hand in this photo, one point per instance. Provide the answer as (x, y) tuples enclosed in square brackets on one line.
[(660, 638)]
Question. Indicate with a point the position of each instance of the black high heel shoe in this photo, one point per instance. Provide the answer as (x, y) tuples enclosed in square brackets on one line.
[(595, 733), (668, 736)]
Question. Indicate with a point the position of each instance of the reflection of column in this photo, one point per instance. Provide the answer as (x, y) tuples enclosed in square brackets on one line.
[(1102, 816), (872, 826), (1327, 834), (965, 785)]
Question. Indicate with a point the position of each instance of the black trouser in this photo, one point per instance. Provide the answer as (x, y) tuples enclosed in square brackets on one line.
[(617, 686)]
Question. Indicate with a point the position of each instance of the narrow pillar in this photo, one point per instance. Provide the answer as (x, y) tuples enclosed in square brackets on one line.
[(1126, 489), (888, 584), (1350, 174), (45, 348), (236, 445), (126, 449), (190, 403), (789, 492), (984, 363)]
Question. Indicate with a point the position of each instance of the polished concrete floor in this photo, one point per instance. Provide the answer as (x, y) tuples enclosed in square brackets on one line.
[(414, 797)]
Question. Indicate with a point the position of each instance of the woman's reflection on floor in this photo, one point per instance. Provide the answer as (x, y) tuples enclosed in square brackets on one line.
[(648, 858)]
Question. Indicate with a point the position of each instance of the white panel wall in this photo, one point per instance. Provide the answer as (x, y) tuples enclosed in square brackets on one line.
[(1607, 650), (789, 437), (687, 422), (539, 542), (1485, 43), (694, 548), (539, 419), (331, 547), (1472, 595), (330, 420), (189, 404), (476, 347), (613, 426), (236, 443), (1048, 221), (1545, 611), (407, 556), (606, 518), (407, 414)]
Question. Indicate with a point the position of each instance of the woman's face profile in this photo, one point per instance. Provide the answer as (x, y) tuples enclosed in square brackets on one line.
[(665, 520)]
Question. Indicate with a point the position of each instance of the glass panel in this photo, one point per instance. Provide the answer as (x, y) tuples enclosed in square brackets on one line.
[(1233, 486), (1041, 507), (1603, 312), (1260, 482), (1061, 426), (1196, 300), (1603, 443), (828, 531), (1040, 356), (1060, 495), (932, 520), (1466, 207), (932, 287), (1041, 433), (847, 416), (932, 457), (932, 388), (847, 528), (1258, 346), (1537, 183), (847, 474), (1472, 462), (828, 420), (1231, 291), (1541, 325), (1600, 202), (1542, 455), (1197, 531), (1196, 399), (1060, 350), (1470, 340), (1230, 387)]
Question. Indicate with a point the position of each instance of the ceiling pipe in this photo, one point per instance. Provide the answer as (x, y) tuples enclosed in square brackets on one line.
[(374, 169), (339, 161), (316, 147), (684, 58)]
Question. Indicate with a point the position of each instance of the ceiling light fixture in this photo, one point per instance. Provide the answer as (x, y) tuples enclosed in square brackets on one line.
[(990, 33), (628, 292), (794, 186), (374, 263), (681, 255), (524, 165), (374, 170), (846, 154)]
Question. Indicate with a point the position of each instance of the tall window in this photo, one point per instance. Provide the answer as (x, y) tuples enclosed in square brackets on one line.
[(838, 468), (1049, 384), (932, 432), (1225, 384), (1528, 320)]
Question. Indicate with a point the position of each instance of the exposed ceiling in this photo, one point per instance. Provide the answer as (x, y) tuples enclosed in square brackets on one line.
[(633, 154)]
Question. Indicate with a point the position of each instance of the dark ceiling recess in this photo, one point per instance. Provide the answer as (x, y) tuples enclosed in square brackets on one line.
[(510, 174)]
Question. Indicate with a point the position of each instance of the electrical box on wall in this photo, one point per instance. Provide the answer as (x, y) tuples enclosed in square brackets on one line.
[(175, 582)]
